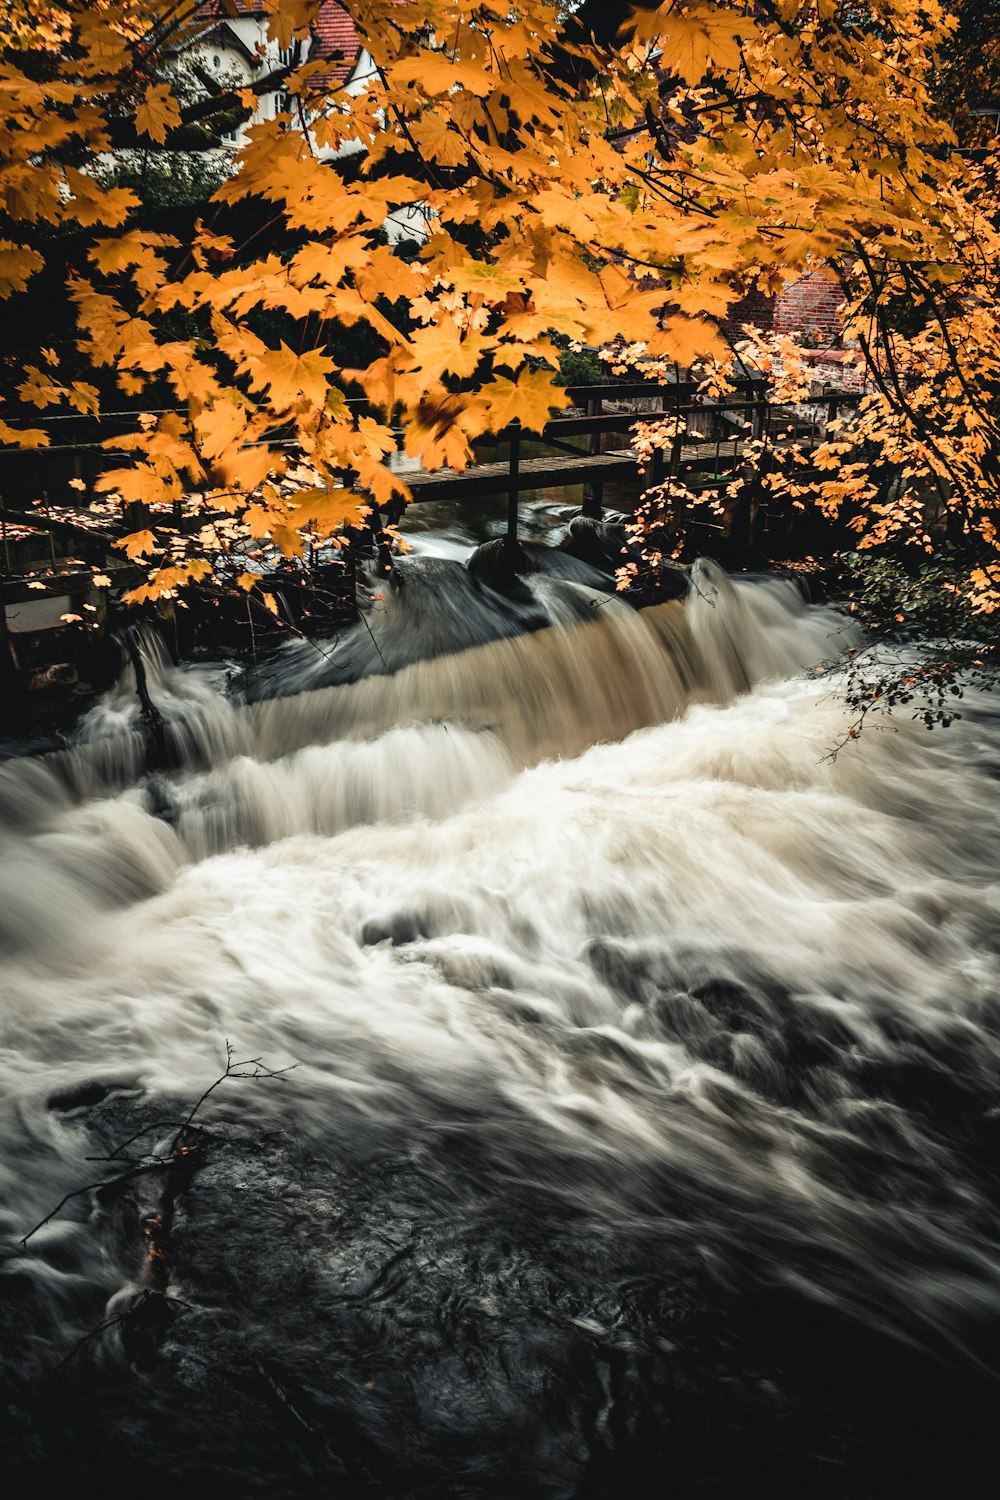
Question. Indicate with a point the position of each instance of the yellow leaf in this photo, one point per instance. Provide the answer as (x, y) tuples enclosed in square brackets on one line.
[(158, 113), (695, 41), (529, 400), (219, 427), (441, 347), (437, 74), (23, 437), (137, 249), (328, 510), (287, 540), (39, 389), (685, 340), (247, 581), (288, 19), (293, 378), (18, 263), (137, 544)]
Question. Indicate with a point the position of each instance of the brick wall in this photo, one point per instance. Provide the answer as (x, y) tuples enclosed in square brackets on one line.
[(809, 305), (837, 370), (754, 308)]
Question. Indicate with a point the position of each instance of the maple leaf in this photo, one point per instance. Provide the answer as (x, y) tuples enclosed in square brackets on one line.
[(211, 246), (158, 113), (530, 400), (328, 510), (438, 443), (288, 19), (444, 346), (23, 437), (219, 427), (292, 378), (18, 263), (287, 539), (136, 248), (137, 544), (84, 398), (377, 438), (685, 340), (259, 519), (438, 74), (39, 389)]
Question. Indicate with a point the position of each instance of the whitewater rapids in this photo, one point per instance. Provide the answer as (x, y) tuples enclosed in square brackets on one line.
[(588, 919)]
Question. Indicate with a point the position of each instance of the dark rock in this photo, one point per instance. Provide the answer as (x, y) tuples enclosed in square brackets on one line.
[(599, 543), (499, 566), (83, 1095)]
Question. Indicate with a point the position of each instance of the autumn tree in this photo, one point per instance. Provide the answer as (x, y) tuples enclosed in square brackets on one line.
[(703, 148), (968, 82)]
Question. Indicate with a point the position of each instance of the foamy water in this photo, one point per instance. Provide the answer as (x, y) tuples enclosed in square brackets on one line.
[(600, 893)]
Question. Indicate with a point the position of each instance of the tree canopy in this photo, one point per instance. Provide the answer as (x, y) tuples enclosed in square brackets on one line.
[(582, 181)]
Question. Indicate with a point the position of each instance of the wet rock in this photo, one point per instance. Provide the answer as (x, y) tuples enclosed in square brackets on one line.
[(83, 1095), (599, 543), (399, 928), (499, 566)]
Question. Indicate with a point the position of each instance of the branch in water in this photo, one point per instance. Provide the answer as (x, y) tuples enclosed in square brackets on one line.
[(157, 1162)]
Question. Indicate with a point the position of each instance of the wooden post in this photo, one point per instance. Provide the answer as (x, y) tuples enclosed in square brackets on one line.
[(593, 492), (514, 468), (52, 535), (593, 499), (677, 445), (760, 406)]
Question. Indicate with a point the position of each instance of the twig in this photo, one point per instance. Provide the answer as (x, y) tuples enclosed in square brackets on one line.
[(92, 1187), (260, 1071), (157, 1162)]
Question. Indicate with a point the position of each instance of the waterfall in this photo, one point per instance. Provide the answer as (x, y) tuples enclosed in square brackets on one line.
[(617, 1006)]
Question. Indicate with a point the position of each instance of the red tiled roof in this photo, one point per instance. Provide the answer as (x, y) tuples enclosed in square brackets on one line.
[(336, 37)]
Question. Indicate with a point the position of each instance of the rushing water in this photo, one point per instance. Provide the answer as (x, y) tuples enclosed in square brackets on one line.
[(643, 1128)]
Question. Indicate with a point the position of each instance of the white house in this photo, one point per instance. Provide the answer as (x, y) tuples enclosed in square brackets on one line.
[(237, 51)]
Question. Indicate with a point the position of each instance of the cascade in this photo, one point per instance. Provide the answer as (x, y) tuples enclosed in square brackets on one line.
[(638, 1043)]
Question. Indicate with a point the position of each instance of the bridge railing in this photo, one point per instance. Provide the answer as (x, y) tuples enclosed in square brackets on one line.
[(709, 442)]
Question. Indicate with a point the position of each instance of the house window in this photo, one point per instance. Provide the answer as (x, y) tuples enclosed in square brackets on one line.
[(990, 116)]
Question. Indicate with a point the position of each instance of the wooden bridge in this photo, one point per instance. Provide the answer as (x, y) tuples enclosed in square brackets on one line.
[(49, 553), (712, 439), (711, 446)]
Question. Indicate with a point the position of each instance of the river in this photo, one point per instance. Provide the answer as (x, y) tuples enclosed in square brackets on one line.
[(641, 1129)]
